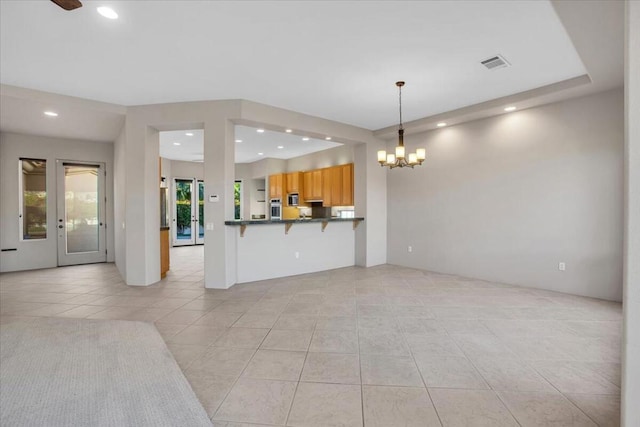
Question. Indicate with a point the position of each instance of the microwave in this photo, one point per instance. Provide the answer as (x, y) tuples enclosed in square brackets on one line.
[(293, 199), (276, 209)]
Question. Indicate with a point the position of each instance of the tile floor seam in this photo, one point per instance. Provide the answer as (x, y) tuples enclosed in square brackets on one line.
[(508, 409), (295, 392), (487, 382), (567, 397), (360, 366), (424, 382), (242, 372)]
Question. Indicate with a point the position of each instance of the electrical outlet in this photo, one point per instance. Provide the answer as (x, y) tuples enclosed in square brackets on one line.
[(297, 255), (562, 266), (409, 249)]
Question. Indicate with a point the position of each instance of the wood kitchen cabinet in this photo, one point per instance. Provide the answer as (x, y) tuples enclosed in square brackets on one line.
[(164, 252), (347, 185), (327, 186), (294, 182), (276, 184), (337, 185), (312, 183)]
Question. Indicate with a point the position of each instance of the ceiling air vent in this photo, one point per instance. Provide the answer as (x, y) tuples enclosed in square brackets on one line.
[(495, 62)]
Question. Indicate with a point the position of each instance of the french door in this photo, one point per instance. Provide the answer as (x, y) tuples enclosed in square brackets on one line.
[(188, 212), (81, 213)]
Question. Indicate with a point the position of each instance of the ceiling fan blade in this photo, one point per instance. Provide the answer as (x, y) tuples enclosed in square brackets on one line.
[(68, 4)]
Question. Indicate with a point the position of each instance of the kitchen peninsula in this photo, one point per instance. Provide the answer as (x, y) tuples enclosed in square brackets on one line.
[(314, 233)]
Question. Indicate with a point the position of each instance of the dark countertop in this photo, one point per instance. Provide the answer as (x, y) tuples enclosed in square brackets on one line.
[(290, 221)]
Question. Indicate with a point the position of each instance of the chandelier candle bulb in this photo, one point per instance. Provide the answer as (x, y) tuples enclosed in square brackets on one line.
[(421, 154), (413, 158), (391, 158), (400, 152), (382, 156)]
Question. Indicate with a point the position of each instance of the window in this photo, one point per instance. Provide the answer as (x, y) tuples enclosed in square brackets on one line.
[(33, 199), (237, 199)]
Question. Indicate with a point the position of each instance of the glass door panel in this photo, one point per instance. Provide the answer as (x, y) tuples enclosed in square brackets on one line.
[(80, 213), (184, 217), (200, 216)]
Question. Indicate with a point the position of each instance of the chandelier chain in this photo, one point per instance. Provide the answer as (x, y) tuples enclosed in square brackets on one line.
[(400, 102)]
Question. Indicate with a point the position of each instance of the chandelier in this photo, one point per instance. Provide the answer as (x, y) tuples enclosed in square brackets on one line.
[(400, 159)]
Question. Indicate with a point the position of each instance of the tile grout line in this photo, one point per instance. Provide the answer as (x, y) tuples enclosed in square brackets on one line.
[(295, 392), (360, 362), (415, 363), (255, 351)]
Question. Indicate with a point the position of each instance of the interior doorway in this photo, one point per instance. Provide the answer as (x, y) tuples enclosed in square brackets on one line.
[(81, 211), (188, 211)]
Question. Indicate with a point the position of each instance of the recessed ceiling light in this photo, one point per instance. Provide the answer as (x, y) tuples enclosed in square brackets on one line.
[(260, 154), (510, 108), (176, 143), (238, 140), (260, 130), (441, 124), (328, 138), (189, 134), (288, 130), (305, 138), (107, 12), (280, 147), (50, 114)]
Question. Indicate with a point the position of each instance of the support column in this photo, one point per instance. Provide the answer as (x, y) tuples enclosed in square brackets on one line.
[(371, 203), (631, 299), (219, 177), (142, 223)]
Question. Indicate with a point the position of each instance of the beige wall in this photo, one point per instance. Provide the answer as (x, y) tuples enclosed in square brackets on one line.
[(322, 159), (631, 335), (43, 253), (180, 169), (509, 197)]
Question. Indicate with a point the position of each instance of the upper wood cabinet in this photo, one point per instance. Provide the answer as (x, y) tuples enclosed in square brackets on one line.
[(347, 185), (337, 185), (294, 182), (312, 184), (334, 185), (327, 186), (276, 186)]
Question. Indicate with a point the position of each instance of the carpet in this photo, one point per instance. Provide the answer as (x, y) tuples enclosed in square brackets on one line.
[(71, 372)]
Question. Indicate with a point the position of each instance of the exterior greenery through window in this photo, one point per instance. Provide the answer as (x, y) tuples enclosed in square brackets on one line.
[(33, 193), (237, 197), (183, 209)]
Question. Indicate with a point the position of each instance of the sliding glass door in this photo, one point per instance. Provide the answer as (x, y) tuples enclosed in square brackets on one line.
[(188, 212)]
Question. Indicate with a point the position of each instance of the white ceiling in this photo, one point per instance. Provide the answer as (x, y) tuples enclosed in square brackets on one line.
[(337, 60), (191, 147)]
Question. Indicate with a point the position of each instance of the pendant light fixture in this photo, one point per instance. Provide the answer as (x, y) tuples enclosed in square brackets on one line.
[(400, 159)]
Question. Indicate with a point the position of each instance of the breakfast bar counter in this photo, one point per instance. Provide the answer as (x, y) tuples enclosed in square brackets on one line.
[(288, 223)]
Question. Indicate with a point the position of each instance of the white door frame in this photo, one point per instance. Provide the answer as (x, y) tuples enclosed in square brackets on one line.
[(89, 257), (195, 238), (199, 221)]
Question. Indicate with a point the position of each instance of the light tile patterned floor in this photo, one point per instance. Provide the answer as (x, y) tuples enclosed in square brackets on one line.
[(382, 346)]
